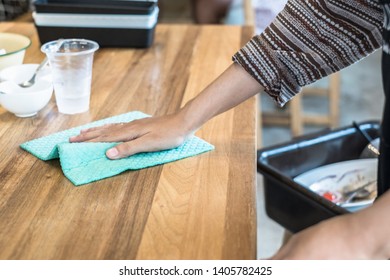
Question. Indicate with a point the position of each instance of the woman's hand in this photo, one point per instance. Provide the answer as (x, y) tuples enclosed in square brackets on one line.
[(231, 88), (143, 135)]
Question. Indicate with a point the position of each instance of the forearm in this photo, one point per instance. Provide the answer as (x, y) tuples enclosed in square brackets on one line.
[(166, 132), (374, 224), (231, 88), (361, 235)]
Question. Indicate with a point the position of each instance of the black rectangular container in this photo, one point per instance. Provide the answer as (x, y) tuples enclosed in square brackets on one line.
[(113, 23), (290, 204), (99, 1), (95, 7)]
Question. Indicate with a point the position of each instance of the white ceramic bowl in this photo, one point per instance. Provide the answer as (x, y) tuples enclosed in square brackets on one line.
[(23, 72), (12, 49), (25, 102)]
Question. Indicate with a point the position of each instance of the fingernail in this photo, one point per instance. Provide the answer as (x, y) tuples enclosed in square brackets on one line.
[(112, 153), (72, 138)]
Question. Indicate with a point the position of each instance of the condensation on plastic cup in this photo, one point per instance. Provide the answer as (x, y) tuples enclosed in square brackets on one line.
[(71, 65)]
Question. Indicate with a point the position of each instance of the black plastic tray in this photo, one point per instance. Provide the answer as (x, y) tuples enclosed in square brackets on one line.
[(113, 37), (99, 1), (290, 204), (95, 7)]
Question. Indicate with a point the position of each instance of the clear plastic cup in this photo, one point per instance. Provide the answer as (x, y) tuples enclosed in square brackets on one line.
[(71, 65)]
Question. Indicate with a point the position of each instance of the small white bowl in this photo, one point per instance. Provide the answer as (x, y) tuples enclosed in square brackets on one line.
[(23, 72), (25, 102), (12, 49)]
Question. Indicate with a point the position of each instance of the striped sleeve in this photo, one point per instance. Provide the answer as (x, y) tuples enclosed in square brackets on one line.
[(309, 40)]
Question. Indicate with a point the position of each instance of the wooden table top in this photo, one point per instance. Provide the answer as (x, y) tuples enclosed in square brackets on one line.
[(201, 207)]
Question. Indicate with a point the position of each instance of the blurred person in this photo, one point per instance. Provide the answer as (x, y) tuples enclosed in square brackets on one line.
[(10, 9), (210, 11), (307, 41)]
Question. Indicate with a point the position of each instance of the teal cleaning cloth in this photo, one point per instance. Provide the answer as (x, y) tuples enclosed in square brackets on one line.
[(83, 163)]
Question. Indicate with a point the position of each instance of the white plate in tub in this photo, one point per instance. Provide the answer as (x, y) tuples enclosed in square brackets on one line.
[(339, 177)]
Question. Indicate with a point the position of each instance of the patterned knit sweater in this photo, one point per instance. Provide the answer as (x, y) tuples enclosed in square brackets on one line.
[(311, 39)]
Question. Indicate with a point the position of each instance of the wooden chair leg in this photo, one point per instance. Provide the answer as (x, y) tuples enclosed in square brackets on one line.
[(296, 119), (259, 123), (334, 98), (249, 13)]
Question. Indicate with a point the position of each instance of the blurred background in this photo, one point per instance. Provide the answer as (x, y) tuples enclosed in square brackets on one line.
[(359, 89)]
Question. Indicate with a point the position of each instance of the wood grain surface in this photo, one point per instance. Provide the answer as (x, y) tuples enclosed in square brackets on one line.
[(197, 208)]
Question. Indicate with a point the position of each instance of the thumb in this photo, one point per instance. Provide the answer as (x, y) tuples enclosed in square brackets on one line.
[(129, 148)]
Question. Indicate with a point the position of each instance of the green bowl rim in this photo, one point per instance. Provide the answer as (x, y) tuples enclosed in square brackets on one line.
[(19, 50)]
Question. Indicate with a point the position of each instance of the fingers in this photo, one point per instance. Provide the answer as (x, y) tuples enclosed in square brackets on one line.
[(106, 133), (146, 143), (127, 149), (144, 135), (85, 135)]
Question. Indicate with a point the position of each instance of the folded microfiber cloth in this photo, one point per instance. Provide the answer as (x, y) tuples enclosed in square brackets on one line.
[(83, 163)]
